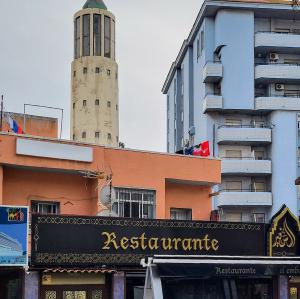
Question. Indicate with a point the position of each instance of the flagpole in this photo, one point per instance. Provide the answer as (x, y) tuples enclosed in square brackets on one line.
[(1, 116)]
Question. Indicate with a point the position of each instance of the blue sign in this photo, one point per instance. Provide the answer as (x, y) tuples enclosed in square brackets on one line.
[(13, 236)]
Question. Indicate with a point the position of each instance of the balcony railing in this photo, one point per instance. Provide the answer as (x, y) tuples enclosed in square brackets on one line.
[(244, 190), (245, 158), (296, 32), (285, 95), (257, 126)]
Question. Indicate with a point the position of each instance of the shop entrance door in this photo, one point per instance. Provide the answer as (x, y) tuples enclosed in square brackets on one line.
[(74, 292)]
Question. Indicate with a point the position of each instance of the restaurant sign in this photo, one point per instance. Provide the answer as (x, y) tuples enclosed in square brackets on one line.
[(97, 241)]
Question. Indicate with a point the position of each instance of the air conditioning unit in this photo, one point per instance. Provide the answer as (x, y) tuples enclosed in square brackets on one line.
[(279, 87), (273, 57)]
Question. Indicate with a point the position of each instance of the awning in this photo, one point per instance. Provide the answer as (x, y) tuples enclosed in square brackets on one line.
[(62, 270), (188, 266)]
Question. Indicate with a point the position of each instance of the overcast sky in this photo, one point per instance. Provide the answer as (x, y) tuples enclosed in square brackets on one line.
[(36, 50)]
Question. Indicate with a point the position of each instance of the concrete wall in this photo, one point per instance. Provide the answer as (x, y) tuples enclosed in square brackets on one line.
[(176, 198), (235, 30), (284, 160), (35, 125)]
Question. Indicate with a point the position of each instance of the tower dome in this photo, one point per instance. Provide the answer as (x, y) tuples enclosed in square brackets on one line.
[(95, 4)]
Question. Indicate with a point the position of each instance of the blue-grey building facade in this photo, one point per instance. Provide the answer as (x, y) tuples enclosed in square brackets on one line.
[(236, 83)]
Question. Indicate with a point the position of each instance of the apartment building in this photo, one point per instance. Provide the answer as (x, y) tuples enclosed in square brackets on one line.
[(236, 83)]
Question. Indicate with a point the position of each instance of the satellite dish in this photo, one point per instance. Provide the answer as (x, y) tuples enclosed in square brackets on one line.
[(106, 200)]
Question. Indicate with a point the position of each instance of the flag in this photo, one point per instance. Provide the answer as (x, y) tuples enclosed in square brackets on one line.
[(10, 122), (202, 149), (14, 126)]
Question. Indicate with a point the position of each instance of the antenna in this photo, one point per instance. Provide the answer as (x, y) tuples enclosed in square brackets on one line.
[(1, 116)]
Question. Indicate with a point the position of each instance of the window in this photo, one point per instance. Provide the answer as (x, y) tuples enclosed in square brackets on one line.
[(109, 136), (85, 70), (259, 155), (97, 102), (233, 216), (97, 71), (97, 134), (108, 72), (73, 105), (77, 37), (73, 136), (259, 186), (233, 186), (108, 104), (117, 107), (198, 48), (74, 74), (134, 203), (83, 135), (113, 36), (84, 103), (202, 40), (233, 154), (107, 37), (181, 214), (41, 207), (97, 35), (233, 122), (259, 217), (86, 36)]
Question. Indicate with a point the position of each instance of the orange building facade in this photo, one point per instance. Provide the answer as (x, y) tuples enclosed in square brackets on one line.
[(62, 177)]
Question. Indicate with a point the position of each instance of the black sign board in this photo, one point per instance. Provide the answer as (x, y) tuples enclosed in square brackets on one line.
[(284, 234), (96, 241)]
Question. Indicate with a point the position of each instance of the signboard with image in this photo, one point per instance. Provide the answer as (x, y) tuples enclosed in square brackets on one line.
[(13, 236)]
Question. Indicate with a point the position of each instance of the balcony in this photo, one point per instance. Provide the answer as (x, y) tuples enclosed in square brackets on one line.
[(246, 166), (212, 72), (277, 72), (285, 102), (234, 198), (267, 42), (212, 102), (244, 135)]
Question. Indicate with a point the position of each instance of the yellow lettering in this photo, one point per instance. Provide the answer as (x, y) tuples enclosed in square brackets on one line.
[(124, 243), (197, 244), (206, 242), (166, 246), (143, 239), (186, 244), (110, 238), (134, 243), (153, 243), (176, 241), (215, 244)]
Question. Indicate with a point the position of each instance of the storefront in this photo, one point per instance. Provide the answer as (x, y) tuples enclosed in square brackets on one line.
[(97, 257)]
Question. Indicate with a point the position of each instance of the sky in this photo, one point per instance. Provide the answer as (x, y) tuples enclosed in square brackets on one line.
[(36, 51)]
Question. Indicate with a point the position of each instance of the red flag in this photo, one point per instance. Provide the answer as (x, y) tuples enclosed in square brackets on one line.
[(202, 150)]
